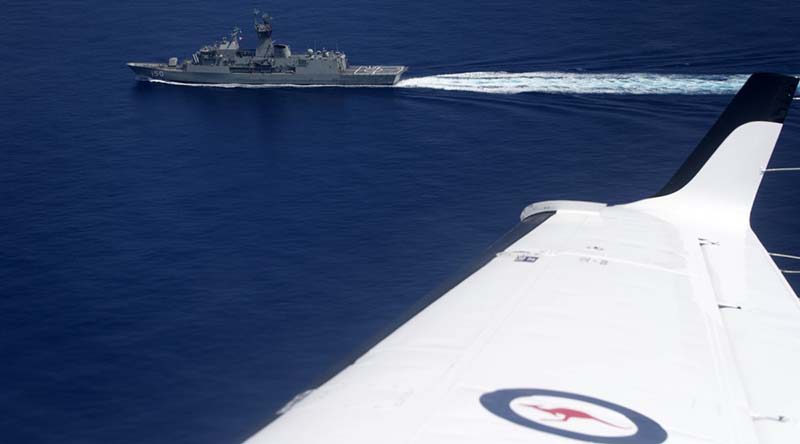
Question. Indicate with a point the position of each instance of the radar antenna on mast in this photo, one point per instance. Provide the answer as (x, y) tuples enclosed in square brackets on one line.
[(264, 30)]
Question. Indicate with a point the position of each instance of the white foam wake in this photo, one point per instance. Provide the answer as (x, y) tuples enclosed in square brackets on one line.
[(579, 83), (546, 82)]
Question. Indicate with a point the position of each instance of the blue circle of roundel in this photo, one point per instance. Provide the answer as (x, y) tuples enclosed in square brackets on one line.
[(499, 403)]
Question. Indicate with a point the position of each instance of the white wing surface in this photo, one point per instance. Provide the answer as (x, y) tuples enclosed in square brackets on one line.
[(664, 320)]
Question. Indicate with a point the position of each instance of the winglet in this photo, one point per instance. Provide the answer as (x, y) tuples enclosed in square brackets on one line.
[(725, 170)]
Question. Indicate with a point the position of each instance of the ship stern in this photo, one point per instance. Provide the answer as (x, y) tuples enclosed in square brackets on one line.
[(402, 70)]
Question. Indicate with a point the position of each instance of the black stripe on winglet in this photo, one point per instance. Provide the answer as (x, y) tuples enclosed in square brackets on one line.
[(764, 97)]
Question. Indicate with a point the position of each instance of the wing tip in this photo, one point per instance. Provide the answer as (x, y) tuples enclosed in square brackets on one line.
[(765, 97)]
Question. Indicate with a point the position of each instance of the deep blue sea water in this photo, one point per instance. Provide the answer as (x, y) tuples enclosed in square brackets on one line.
[(179, 262)]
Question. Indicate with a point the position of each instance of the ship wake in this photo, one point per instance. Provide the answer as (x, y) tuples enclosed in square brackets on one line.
[(546, 82), (579, 83)]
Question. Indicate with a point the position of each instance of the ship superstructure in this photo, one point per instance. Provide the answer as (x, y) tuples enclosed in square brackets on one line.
[(270, 63)]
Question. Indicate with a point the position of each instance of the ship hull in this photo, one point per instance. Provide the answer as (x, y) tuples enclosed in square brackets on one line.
[(355, 76)]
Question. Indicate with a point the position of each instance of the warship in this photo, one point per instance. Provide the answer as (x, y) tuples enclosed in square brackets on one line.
[(224, 62)]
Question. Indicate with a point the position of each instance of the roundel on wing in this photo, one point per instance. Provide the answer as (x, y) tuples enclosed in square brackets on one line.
[(575, 416)]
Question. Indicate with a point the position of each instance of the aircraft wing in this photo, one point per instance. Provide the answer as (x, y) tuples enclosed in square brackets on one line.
[(664, 320)]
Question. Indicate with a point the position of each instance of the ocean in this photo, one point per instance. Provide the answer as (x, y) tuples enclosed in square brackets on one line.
[(179, 262)]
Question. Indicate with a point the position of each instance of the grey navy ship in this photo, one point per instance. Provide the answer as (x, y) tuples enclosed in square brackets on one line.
[(269, 64)]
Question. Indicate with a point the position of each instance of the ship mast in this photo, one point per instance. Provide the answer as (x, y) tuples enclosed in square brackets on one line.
[(263, 25)]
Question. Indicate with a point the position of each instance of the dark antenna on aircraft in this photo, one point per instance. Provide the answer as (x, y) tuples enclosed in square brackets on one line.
[(779, 170), (787, 256), (780, 255)]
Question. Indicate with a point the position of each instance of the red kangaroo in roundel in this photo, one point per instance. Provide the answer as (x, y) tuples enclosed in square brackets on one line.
[(568, 414)]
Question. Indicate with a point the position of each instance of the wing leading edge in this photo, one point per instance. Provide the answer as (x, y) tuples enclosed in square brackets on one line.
[(637, 323)]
